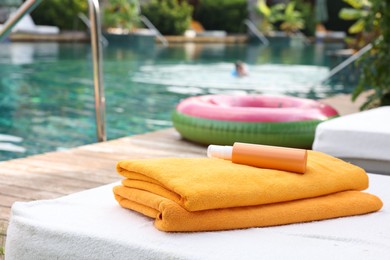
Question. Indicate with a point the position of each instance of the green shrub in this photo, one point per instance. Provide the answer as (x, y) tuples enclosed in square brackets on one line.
[(122, 14), (308, 14), (227, 15), (61, 13), (291, 17), (169, 16), (376, 63)]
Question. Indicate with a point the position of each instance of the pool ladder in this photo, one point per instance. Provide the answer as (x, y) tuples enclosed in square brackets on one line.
[(347, 62), (252, 27), (151, 26), (96, 36)]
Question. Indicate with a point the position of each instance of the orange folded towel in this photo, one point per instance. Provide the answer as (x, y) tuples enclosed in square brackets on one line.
[(194, 194), (170, 216), (203, 183)]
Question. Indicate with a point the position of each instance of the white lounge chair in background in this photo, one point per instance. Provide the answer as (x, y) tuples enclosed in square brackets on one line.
[(27, 25), (362, 138)]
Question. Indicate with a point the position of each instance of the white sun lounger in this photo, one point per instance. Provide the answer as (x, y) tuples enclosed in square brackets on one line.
[(91, 225), (27, 25), (362, 138)]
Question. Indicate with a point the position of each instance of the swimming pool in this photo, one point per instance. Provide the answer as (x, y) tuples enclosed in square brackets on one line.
[(47, 98)]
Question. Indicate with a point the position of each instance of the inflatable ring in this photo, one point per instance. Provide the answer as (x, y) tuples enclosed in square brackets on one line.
[(260, 119)]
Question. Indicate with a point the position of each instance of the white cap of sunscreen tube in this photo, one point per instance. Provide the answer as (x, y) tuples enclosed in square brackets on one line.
[(220, 151)]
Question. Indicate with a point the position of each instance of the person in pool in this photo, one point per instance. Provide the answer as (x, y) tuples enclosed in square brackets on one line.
[(240, 69)]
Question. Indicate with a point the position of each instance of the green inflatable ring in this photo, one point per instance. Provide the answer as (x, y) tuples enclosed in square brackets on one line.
[(298, 134)]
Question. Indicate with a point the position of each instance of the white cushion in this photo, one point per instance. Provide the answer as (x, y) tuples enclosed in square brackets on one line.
[(27, 25), (362, 138)]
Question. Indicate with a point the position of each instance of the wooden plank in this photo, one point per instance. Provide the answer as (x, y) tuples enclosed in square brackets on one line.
[(8, 200), (61, 37), (3, 236), (44, 182), (27, 193), (5, 214), (165, 143), (3, 227), (51, 167), (208, 39)]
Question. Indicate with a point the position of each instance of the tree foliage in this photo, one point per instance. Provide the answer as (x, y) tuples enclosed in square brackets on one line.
[(376, 63), (288, 17), (171, 17), (123, 14), (226, 15), (61, 13)]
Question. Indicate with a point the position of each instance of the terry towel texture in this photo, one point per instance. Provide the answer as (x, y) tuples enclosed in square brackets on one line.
[(198, 194)]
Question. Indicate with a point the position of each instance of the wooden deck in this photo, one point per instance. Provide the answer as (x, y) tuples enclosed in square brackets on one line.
[(55, 174), (77, 36)]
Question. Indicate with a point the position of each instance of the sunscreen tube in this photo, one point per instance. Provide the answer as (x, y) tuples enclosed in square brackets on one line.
[(263, 156)]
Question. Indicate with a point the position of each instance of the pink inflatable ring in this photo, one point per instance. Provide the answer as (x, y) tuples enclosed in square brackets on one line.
[(273, 120)]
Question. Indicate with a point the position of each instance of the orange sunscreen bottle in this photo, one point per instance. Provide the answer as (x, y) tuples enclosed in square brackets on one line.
[(263, 156)]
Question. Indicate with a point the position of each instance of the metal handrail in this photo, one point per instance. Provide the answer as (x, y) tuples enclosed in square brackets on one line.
[(100, 100), (301, 34), (24, 9), (256, 32), (96, 36), (348, 61), (87, 23), (150, 25)]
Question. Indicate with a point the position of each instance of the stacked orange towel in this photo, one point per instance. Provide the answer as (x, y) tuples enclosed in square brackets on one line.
[(199, 194)]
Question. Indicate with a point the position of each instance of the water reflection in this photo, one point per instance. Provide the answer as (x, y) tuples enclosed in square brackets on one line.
[(7, 143), (47, 98), (26, 53)]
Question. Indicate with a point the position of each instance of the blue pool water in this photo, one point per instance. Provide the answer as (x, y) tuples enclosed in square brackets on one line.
[(47, 98)]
